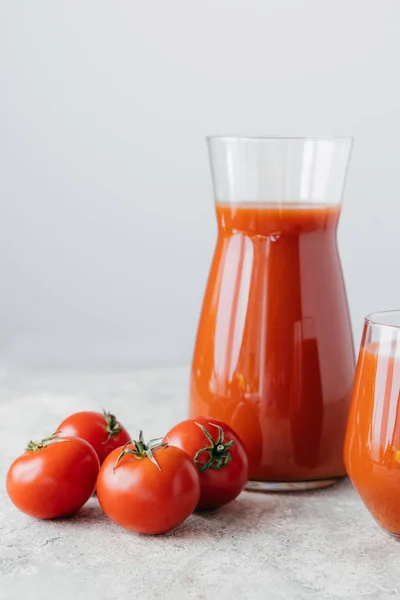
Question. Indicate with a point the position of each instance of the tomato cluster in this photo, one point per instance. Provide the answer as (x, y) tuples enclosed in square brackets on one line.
[(150, 488)]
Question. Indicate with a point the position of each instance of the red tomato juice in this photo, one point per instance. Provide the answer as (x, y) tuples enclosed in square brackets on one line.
[(274, 355), (372, 448)]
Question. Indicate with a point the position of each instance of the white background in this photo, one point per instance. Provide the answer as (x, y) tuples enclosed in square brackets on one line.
[(106, 210)]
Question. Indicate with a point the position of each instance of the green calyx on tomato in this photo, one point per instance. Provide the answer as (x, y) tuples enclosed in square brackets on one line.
[(36, 446), (219, 455), (142, 450), (113, 427)]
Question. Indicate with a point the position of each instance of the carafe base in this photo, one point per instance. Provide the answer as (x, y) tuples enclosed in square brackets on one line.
[(289, 486)]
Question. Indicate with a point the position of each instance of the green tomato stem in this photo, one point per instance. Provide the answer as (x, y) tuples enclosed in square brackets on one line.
[(219, 455), (37, 446), (112, 427), (141, 450)]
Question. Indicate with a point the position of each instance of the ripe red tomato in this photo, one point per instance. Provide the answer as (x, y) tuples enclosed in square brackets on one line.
[(53, 478), (102, 431), (220, 457), (148, 488)]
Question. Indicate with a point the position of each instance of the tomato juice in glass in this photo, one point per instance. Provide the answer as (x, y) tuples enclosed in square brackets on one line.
[(372, 448)]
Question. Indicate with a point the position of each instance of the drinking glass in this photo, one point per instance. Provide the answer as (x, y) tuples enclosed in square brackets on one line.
[(372, 445)]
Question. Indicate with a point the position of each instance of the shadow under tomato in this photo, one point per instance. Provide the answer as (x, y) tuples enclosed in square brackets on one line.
[(242, 516), (91, 512)]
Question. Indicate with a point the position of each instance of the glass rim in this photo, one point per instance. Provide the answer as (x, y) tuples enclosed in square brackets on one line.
[(266, 138), (375, 318)]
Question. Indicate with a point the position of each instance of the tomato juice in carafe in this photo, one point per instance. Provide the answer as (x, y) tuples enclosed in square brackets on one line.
[(274, 353)]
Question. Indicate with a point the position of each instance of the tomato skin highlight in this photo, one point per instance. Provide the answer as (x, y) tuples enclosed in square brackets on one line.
[(92, 427), (218, 486), (144, 499), (55, 481)]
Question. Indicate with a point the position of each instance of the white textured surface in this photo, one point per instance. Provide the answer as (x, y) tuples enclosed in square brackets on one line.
[(321, 545)]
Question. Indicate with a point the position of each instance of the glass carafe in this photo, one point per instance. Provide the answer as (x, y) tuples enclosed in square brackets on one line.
[(274, 355)]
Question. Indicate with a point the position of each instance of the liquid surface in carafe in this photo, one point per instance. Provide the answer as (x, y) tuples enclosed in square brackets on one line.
[(274, 354)]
